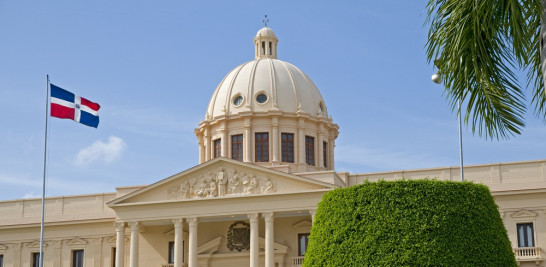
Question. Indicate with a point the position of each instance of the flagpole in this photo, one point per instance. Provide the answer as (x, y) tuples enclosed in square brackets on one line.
[(44, 177)]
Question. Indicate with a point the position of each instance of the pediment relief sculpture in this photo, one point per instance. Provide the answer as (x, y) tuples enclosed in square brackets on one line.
[(223, 182)]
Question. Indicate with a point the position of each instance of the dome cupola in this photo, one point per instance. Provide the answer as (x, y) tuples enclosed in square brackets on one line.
[(268, 112), (265, 44)]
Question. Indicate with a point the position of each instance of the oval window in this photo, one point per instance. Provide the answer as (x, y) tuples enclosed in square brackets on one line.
[(261, 98), (238, 101)]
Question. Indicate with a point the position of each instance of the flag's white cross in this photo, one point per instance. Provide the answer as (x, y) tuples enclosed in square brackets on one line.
[(77, 106)]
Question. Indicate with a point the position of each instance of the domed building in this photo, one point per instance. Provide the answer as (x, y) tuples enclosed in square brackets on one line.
[(270, 113), (266, 157)]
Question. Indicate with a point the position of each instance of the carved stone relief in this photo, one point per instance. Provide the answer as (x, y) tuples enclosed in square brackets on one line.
[(239, 236), (223, 182)]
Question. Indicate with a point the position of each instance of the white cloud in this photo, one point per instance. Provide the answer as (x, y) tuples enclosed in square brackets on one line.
[(31, 195), (101, 151)]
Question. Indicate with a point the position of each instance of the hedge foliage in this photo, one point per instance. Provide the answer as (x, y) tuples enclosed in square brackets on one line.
[(409, 223)]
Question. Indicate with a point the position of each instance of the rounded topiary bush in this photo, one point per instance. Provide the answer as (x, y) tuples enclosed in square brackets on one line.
[(409, 223)]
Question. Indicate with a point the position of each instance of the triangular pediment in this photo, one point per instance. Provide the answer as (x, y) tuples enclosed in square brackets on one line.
[(3, 247), (303, 224), (76, 242), (221, 178), (523, 214), (35, 244)]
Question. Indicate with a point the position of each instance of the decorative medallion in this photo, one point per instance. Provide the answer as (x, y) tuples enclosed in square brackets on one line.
[(239, 236)]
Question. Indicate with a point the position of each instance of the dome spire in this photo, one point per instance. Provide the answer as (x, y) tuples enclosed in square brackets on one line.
[(265, 21), (265, 42)]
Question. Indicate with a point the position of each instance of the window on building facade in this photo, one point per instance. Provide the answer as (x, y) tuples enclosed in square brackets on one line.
[(171, 252), (325, 154), (310, 150), (303, 241), (237, 147), (1, 260), (77, 258), (525, 235), (217, 148), (36, 259), (287, 147), (262, 147)]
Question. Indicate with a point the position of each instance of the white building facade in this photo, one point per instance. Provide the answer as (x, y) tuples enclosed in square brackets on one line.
[(266, 157)]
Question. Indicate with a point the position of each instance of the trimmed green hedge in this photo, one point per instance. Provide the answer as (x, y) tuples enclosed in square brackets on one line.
[(409, 223)]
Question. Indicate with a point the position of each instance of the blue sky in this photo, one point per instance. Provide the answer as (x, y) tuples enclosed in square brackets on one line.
[(153, 65)]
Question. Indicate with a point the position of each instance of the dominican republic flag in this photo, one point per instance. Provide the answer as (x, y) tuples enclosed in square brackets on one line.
[(66, 105)]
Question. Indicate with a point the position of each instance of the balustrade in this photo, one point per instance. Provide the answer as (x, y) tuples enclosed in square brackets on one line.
[(297, 261), (528, 252)]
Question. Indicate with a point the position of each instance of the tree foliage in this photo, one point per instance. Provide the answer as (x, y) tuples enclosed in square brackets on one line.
[(409, 223), (479, 47)]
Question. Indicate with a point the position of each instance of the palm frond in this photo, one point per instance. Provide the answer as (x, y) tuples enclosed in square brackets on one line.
[(479, 44)]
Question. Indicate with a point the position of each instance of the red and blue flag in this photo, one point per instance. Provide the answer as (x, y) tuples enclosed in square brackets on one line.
[(66, 105)]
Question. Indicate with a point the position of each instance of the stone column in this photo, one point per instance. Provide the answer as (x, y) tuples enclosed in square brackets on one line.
[(254, 244), (269, 240), (208, 147), (224, 142), (247, 139), (193, 242), (301, 142), (120, 243), (275, 139), (201, 149), (320, 148), (331, 145), (133, 253), (178, 239)]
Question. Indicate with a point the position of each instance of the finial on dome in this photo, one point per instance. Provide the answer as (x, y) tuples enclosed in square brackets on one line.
[(265, 21)]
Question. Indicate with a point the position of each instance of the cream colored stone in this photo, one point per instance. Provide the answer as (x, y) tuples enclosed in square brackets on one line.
[(195, 208)]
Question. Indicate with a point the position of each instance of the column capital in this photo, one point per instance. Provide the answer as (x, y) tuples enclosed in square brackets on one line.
[(192, 222), (178, 222), (134, 226), (120, 226), (253, 217), (268, 216)]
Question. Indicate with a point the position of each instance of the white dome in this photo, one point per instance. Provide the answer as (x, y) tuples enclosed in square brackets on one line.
[(286, 88), (266, 32)]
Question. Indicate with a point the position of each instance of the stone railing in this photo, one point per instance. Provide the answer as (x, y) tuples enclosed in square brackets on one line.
[(527, 253), (297, 261), (167, 265)]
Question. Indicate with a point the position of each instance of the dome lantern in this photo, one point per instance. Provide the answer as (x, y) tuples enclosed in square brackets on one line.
[(265, 44)]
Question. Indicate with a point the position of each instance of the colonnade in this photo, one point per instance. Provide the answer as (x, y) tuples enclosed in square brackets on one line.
[(193, 223)]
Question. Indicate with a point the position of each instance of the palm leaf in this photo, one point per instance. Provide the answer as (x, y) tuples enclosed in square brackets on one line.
[(479, 45)]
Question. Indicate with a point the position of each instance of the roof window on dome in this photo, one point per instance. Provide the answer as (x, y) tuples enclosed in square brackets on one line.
[(238, 100), (321, 107), (261, 98)]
